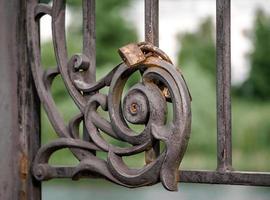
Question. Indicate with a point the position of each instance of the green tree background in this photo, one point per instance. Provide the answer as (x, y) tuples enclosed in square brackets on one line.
[(199, 47), (257, 86), (250, 117)]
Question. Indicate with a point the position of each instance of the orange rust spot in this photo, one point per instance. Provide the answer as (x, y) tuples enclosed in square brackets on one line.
[(133, 108), (178, 175), (166, 92), (22, 195), (23, 167)]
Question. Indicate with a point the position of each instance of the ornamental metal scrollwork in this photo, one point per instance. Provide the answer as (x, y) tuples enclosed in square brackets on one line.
[(145, 103)]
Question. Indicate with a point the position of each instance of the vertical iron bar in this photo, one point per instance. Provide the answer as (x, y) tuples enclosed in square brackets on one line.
[(152, 21), (89, 36), (20, 123), (89, 44), (224, 143), (152, 36)]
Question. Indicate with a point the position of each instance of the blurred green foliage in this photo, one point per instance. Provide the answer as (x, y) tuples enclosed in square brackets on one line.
[(199, 46), (250, 126), (257, 86)]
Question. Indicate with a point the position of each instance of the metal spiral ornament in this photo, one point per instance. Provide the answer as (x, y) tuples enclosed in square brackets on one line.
[(145, 103)]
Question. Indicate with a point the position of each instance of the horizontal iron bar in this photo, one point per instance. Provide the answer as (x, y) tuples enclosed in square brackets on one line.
[(230, 177), (210, 177), (67, 172)]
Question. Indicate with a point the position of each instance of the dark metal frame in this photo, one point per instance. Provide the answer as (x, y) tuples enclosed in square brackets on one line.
[(20, 103)]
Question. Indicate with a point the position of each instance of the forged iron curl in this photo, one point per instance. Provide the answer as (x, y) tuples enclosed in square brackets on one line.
[(145, 103)]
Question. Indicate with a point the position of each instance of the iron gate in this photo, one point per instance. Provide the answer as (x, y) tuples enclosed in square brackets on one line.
[(20, 101)]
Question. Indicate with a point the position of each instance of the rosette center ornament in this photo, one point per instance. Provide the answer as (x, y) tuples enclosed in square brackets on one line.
[(145, 103)]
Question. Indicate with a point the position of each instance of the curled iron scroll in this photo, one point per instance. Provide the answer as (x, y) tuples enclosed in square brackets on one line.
[(144, 103)]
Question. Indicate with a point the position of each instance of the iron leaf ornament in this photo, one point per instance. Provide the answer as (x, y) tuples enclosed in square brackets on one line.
[(145, 103)]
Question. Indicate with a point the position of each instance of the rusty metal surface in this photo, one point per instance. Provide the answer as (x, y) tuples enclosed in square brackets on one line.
[(145, 104), (226, 177), (151, 17), (19, 107), (224, 138), (151, 29)]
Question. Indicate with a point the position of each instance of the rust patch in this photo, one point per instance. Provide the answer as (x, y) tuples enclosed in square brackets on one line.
[(131, 54), (23, 176), (133, 108), (22, 195), (23, 167), (166, 92)]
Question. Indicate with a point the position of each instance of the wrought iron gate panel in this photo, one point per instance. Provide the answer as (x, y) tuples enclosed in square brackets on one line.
[(143, 104)]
